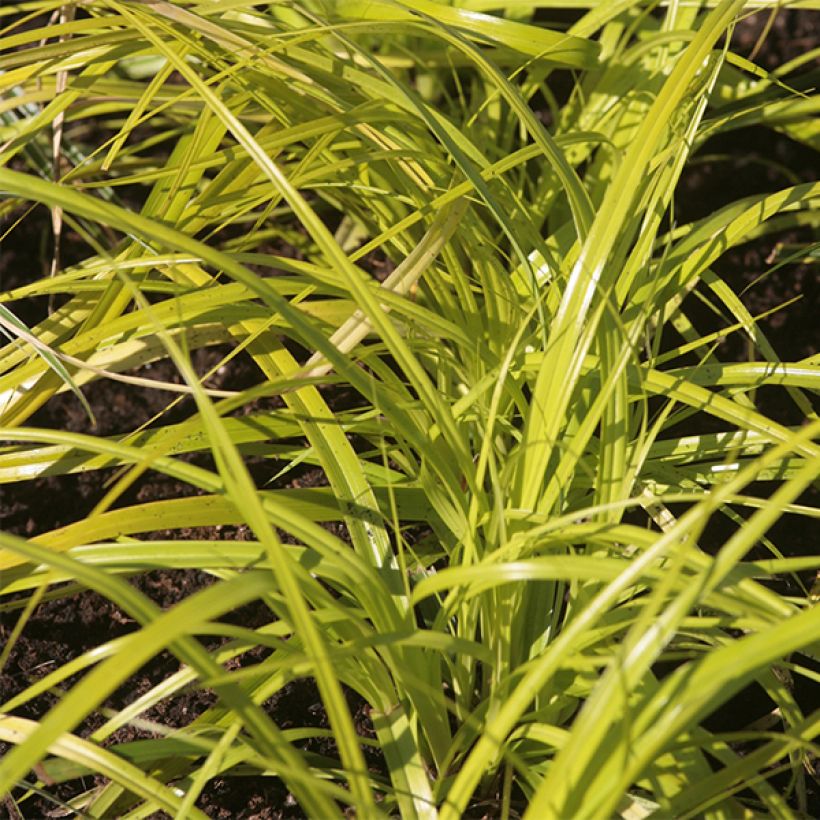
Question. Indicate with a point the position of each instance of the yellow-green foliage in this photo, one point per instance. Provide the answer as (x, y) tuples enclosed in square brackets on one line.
[(512, 395)]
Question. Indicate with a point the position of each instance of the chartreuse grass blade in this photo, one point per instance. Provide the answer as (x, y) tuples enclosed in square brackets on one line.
[(551, 660), (316, 505), (168, 630), (212, 511), (356, 539), (93, 758), (155, 231), (401, 280), (335, 454), (239, 487), (550, 46), (739, 771), (14, 328), (352, 276), (569, 785), (738, 663), (112, 302), (591, 273), (707, 239)]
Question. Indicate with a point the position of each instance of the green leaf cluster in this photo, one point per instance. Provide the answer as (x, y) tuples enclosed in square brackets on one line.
[(518, 495)]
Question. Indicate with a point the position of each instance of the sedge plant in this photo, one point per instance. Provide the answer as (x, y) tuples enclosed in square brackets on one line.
[(519, 581)]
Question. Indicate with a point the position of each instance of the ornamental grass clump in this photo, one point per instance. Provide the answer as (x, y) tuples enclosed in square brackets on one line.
[(477, 329)]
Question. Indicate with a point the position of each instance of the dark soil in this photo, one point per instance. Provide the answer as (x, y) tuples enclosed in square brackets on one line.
[(62, 629)]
